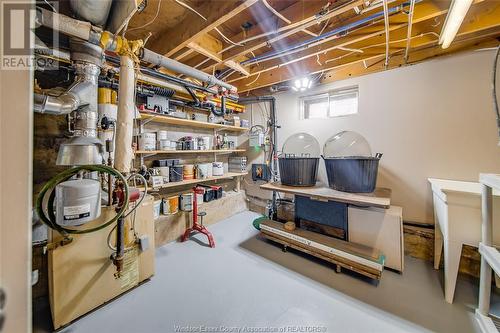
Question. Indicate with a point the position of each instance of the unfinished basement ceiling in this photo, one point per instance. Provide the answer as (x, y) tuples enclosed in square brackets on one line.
[(339, 39)]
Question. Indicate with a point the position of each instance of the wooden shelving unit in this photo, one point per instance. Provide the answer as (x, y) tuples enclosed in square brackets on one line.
[(228, 175), (158, 118), (176, 152)]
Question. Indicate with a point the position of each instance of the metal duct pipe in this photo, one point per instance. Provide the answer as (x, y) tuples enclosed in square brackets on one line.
[(94, 11), (159, 60), (84, 30), (125, 118)]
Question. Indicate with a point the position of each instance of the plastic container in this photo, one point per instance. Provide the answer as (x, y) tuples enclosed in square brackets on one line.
[(299, 161), (349, 164)]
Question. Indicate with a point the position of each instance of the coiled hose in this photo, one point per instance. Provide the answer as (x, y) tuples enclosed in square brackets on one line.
[(50, 219)]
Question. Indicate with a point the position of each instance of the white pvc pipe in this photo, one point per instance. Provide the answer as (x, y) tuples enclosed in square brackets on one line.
[(125, 117)]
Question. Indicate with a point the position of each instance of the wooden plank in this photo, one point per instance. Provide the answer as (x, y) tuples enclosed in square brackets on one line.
[(358, 250), (228, 175), (176, 152), (158, 118), (175, 39), (381, 197), (337, 261), (349, 255)]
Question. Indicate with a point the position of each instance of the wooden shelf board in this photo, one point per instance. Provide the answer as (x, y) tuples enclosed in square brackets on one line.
[(228, 175), (175, 152), (158, 118)]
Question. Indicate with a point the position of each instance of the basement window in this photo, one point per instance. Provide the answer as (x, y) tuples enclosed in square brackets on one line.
[(336, 103)]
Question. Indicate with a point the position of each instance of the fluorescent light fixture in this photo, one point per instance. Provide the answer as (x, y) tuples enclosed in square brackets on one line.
[(456, 14), (302, 84)]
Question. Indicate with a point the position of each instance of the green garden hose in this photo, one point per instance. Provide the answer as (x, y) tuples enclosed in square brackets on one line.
[(50, 220)]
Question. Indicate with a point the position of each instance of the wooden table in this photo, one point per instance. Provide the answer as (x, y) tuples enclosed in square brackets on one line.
[(381, 197)]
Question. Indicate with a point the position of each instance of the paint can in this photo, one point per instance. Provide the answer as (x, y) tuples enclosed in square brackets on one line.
[(147, 141), (164, 145), (188, 171), (163, 171), (218, 169), (172, 204), (176, 174), (202, 170), (186, 202), (161, 135)]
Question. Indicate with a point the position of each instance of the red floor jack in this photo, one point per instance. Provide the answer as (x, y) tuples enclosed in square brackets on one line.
[(198, 227)]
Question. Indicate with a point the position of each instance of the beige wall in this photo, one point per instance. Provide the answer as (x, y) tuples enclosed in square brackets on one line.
[(15, 197), (434, 119)]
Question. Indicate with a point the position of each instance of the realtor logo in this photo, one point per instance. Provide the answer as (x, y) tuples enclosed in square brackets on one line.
[(18, 23)]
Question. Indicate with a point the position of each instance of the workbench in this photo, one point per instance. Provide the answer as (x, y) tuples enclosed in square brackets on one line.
[(323, 212)]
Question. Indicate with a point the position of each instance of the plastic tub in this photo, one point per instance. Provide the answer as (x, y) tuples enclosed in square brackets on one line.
[(355, 174), (300, 160), (298, 171)]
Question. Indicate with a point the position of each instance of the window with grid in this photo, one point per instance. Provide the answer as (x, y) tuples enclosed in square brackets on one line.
[(336, 103)]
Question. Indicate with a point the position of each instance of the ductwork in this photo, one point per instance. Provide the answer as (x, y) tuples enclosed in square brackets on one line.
[(94, 11), (85, 31)]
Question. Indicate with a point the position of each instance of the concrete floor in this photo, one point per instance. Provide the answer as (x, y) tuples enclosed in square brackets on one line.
[(249, 282)]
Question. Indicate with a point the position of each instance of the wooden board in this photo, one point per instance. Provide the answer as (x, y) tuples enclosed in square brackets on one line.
[(228, 175), (174, 152), (186, 122), (380, 198), (359, 258), (81, 274)]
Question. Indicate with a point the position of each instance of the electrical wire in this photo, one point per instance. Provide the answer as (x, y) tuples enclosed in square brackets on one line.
[(50, 5), (150, 22)]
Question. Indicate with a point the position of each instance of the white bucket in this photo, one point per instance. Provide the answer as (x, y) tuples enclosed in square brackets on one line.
[(164, 145), (164, 171), (202, 170), (161, 135), (218, 169), (147, 141), (186, 202)]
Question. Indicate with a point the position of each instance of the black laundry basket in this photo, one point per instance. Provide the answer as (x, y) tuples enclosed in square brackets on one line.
[(354, 174), (298, 171)]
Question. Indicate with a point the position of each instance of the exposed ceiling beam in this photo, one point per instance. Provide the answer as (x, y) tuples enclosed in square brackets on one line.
[(174, 40), (418, 55), (426, 11), (483, 17), (310, 66), (209, 47), (255, 45)]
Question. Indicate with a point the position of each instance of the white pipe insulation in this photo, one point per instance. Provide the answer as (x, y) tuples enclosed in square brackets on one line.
[(159, 60), (125, 117)]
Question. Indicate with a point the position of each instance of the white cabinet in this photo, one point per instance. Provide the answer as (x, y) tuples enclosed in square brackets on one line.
[(381, 229)]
